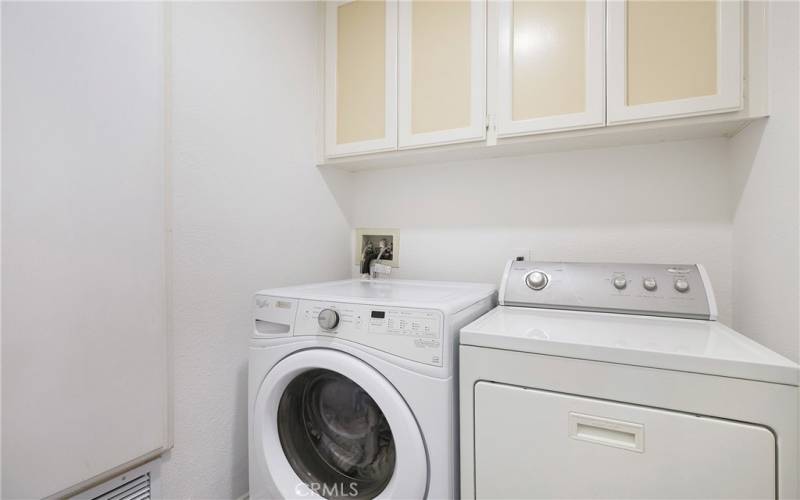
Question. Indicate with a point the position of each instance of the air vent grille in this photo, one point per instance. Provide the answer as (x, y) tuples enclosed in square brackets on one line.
[(135, 489)]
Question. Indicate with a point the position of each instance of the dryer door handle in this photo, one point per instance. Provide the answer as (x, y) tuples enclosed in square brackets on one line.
[(607, 431)]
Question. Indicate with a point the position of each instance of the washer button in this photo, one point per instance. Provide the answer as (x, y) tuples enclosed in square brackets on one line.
[(620, 283), (681, 285), (650, 284)]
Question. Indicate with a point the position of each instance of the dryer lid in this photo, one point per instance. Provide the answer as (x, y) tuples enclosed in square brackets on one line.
[(698, 346)]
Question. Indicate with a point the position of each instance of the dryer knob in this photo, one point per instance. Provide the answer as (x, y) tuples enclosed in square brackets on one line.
[(536, 280), (328, 319), (681, 285)]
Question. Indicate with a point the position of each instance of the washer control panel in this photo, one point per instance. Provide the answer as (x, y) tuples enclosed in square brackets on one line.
[(414, 334), (680, 291)]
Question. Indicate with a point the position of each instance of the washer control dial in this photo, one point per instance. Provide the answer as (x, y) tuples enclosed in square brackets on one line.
[(620, 283), (650, 284), (536, 280), (328, 319), (681, 285)]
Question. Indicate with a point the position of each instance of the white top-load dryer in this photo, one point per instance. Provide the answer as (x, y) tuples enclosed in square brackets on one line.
[(614, 381), (352, 390)]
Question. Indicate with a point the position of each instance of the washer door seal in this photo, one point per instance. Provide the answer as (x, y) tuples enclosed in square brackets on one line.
[(343, 429)]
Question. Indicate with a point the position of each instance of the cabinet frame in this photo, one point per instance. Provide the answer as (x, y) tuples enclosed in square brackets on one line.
[(389, 141), (501, 22), (729, 70), (477, 123)]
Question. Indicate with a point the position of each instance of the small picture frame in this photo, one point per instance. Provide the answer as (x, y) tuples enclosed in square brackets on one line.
[(382, 244)]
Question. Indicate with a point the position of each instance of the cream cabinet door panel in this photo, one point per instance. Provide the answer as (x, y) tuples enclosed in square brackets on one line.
[(547, 65), (669, 58), (360, 77), (442, 72)]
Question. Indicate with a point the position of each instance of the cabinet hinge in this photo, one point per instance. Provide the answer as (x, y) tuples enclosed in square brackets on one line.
[(491, 130)]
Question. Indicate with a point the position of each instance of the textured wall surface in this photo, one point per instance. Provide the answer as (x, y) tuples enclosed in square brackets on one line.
[(766, 161), (84, 352), (651, 203), (251, 211)]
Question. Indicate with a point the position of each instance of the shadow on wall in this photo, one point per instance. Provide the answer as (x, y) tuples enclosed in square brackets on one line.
[(240, 435), (676, 182), (340, 184), (748, 143), (238, 413)]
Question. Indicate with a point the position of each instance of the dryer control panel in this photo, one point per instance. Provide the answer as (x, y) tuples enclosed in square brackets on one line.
[(671, 290), (414, 334)]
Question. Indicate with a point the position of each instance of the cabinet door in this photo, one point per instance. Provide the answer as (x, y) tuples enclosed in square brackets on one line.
[(669, 58), (360, 77), (442, 72), (549, 64)]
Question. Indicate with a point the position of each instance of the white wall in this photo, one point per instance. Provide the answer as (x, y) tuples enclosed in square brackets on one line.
[(766, 162), (251, 211), (84, 326), (652, 203)]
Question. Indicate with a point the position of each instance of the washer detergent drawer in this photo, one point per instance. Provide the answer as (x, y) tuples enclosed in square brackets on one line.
[(538, 444)]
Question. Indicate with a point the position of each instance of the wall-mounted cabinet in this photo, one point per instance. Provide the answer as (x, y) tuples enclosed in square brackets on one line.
[(426, 75), (442, 72), (403, 74), (673, 58), (547, 65), (360, 77)]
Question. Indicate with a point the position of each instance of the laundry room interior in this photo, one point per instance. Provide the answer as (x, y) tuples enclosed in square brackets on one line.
[(230, 228)]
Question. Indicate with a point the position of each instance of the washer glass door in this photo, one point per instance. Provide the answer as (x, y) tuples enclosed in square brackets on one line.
[(334, 434), (326, 424)]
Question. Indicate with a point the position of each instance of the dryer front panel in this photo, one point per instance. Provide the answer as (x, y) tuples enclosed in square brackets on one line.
[(328, 425), (531, 444)]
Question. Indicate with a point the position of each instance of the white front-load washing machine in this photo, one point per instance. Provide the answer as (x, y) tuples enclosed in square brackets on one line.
[(615, 381), (352, 388)]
